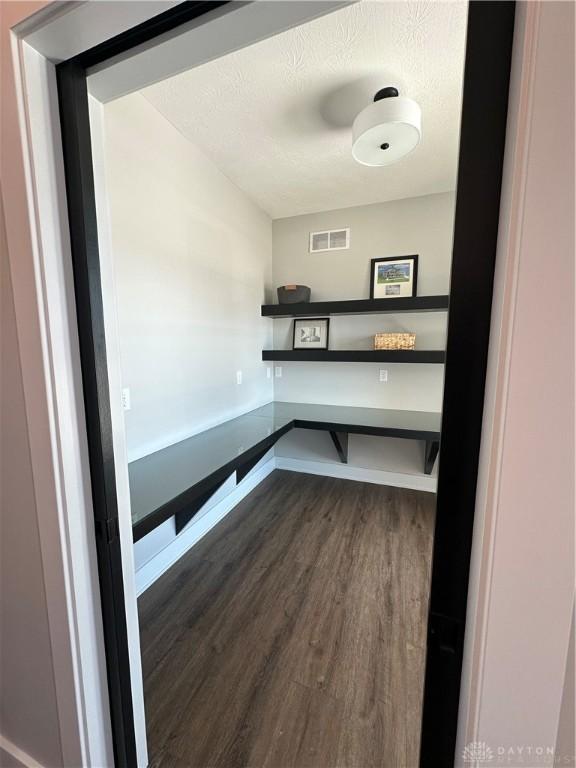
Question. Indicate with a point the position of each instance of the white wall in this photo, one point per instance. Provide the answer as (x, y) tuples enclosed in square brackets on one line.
[(28, 705), (192, 257), (421, 225), (537, 497)]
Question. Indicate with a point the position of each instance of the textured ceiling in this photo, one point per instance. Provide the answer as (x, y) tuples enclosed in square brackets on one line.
[(276, 117)]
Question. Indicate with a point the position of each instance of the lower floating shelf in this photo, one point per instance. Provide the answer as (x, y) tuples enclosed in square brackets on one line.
[(356, 355)]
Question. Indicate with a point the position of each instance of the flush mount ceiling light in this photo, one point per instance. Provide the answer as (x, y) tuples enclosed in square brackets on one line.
[(387, 129)]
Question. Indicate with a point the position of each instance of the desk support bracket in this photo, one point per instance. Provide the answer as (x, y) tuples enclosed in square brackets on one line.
[(243, 470), (431, 452), (340, 440), (183, 517)]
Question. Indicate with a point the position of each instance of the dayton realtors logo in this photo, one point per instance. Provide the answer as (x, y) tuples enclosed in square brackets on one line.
[(477, 752)]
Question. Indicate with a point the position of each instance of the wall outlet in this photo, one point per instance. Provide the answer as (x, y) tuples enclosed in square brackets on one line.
[(126, 404), (278, 371), (383, 375), (238, 377)]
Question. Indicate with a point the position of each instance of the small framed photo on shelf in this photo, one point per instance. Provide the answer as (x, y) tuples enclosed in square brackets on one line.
[(311, 333), (394, 276)]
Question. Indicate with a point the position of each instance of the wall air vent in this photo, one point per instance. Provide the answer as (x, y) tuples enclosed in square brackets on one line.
[(330, 240)]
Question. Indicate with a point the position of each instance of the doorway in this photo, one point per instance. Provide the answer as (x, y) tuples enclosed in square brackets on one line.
[(458, 466)]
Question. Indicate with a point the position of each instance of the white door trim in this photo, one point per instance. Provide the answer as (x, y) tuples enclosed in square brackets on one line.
[(497, 375)]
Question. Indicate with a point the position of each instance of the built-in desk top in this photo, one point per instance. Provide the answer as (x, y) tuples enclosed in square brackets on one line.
[(166, 481)]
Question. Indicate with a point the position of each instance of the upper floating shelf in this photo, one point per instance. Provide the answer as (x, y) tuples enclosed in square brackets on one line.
[(357, 307)]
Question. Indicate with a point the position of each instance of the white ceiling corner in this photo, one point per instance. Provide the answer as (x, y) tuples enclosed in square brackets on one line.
[(275, 117)]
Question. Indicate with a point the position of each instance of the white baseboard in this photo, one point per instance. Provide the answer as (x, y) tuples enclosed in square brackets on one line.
[(348, 472), (12, 756), (148, 573)]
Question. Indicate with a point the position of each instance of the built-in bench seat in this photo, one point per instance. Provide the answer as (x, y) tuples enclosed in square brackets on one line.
[(179, 480)]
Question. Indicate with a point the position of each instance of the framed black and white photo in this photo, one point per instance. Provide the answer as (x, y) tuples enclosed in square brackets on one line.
[(393, 276), (311, 333)]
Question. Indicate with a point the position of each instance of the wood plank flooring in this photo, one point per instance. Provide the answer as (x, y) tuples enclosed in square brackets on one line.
[(293, 634)]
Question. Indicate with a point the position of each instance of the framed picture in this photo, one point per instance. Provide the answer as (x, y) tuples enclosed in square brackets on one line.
[(311, 333), (394, 276)]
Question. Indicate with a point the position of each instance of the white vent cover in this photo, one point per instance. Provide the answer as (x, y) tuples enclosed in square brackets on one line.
[(330, 240)]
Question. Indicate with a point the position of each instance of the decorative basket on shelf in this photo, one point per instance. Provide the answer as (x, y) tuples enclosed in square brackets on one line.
[(293, 294), (394, 341)]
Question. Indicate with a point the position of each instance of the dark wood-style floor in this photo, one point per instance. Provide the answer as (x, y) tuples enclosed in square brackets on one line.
[(293, 634)]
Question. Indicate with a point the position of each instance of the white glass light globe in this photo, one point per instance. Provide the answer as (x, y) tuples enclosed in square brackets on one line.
[(386, 130)]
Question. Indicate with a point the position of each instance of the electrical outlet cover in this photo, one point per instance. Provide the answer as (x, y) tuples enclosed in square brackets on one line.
[(126, 404)]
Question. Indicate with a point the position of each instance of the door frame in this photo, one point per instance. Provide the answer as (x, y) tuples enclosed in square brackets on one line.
[(479, 181)]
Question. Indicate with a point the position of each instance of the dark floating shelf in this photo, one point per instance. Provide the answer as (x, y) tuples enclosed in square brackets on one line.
[(358, 307), (355, 355)]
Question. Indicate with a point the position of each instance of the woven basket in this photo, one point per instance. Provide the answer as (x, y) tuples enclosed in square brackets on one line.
[(394, 341)]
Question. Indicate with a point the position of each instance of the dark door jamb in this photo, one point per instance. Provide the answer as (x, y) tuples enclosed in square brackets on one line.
[(483, 129), (482, 141)]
